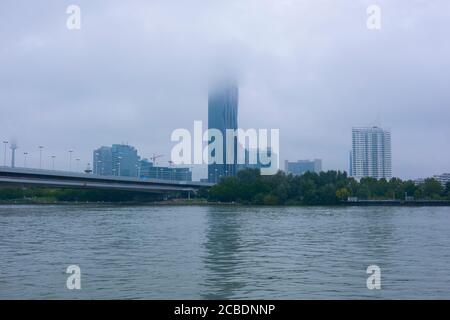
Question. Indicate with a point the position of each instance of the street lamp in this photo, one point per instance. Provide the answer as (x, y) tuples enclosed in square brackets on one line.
[(119, 173), (188, 173), (138, 167), (25, 159), (95, 162), (53, 163), (99, 163), (4, 161), (78, 164), (40, 156)]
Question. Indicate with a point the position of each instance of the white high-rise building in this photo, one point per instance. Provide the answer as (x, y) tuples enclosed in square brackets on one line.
[(371, 153)]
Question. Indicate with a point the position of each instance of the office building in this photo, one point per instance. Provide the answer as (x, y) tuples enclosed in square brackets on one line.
[(102, 163), (148, 171), (222, 115), (118, 160), (441, 178), (299, 167), (123, 160), (371, 153)]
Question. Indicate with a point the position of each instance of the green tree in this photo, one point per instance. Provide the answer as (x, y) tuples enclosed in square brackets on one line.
[(342, 194), (447, 190), (432, 189)]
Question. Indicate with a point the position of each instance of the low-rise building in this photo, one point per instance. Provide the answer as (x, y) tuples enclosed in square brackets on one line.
[(299, 167), (443, 178)]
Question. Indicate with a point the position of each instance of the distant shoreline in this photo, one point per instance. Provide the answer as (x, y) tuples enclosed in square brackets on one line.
[(194, 202)]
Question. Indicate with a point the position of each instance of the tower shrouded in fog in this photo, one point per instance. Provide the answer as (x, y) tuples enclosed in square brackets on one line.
[(223, 100)]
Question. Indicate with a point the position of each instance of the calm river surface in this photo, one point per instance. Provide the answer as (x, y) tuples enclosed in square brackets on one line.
[(224, 252)]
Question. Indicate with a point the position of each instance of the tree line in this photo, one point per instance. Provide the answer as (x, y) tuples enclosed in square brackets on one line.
[(50, 195), (250, 187), (324, 188)]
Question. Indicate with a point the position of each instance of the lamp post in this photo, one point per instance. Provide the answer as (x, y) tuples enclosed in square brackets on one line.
[(172, 170), (99, 163), (95, 162), (189, 173), (53, 163), (119, 173), (78, 164), (40, 156), (138, 170), (4, 161), (25, 159)]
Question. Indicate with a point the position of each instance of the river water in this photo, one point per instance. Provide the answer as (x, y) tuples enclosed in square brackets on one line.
[(224, 252)]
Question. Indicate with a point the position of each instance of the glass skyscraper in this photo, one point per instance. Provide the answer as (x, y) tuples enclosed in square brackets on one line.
[(371, 153), (223, 101)]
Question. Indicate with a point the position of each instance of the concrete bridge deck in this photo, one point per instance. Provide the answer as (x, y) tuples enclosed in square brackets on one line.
[(26, 177)]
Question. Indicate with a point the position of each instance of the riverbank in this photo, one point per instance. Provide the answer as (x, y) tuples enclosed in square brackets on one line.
[(204, 202), (249, 187), (400, 203)]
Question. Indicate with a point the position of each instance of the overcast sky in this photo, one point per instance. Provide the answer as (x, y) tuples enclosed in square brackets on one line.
[(137, 70)]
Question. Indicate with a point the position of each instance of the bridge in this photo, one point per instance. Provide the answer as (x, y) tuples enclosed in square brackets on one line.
[(26, 177)]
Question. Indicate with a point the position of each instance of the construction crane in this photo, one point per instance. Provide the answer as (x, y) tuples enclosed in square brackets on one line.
[(156, 157)]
